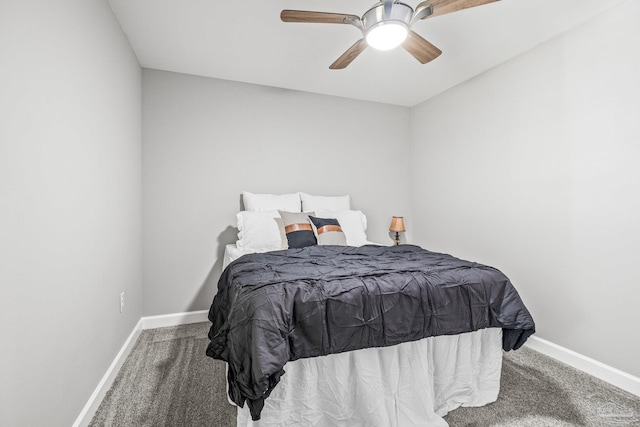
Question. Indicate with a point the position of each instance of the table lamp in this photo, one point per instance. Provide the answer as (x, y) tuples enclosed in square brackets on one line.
[(397, 225)]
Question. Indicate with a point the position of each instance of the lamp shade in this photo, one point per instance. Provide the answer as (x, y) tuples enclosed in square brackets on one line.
[(397, 224)]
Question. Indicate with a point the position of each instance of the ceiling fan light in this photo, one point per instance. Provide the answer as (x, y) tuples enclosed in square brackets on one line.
[(387, 35)]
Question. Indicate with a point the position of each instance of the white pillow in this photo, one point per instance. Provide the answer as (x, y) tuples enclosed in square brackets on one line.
[(330, 203), (260, 231), (353, 224), (267, 202)]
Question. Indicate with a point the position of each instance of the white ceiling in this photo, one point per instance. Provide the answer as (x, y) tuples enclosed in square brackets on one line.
[(244, 40)]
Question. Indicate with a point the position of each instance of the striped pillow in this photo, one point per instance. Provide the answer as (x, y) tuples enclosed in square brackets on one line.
[(328, 231), (298, 230)]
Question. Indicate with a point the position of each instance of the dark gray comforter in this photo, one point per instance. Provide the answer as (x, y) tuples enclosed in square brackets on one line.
[(285, 305)]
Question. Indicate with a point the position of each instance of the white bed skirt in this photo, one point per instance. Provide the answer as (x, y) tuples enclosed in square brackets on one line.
[(410, 384)]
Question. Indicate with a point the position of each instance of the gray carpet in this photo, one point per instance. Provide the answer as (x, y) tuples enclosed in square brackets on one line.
[(536, 390), (168, 381)]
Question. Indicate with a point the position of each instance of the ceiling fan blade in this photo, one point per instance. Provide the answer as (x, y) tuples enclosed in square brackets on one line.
[(317, 17), (350, 54), (442, 7), (421, 49)]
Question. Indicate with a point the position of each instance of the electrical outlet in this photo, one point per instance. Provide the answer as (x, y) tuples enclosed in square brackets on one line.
[(121, 301)]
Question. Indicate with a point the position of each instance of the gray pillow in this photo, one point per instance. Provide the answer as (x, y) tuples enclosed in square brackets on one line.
[(298, 230)]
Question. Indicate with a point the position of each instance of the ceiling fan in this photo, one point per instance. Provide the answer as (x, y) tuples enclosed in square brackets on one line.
[(386, 25)]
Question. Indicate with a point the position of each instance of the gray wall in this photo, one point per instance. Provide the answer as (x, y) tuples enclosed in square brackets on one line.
[(70, 211), (533, 168), (207, 140)]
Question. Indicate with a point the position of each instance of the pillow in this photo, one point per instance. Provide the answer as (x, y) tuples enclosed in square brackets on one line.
[(353, 224), (328, 231), (260, 231), (330, 203), (297, 228), (268, 202)]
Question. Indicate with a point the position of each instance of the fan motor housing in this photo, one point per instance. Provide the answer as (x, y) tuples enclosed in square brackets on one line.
[(400, 13)]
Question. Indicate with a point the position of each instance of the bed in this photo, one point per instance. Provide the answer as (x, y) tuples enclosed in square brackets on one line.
[(355, 333)]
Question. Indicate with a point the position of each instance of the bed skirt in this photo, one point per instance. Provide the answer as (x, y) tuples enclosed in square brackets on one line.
[(410, 384)]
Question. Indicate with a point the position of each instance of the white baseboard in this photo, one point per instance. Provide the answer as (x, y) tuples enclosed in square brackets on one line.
[(148, 322), (592, 367), (104, 385), (175, 319)]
